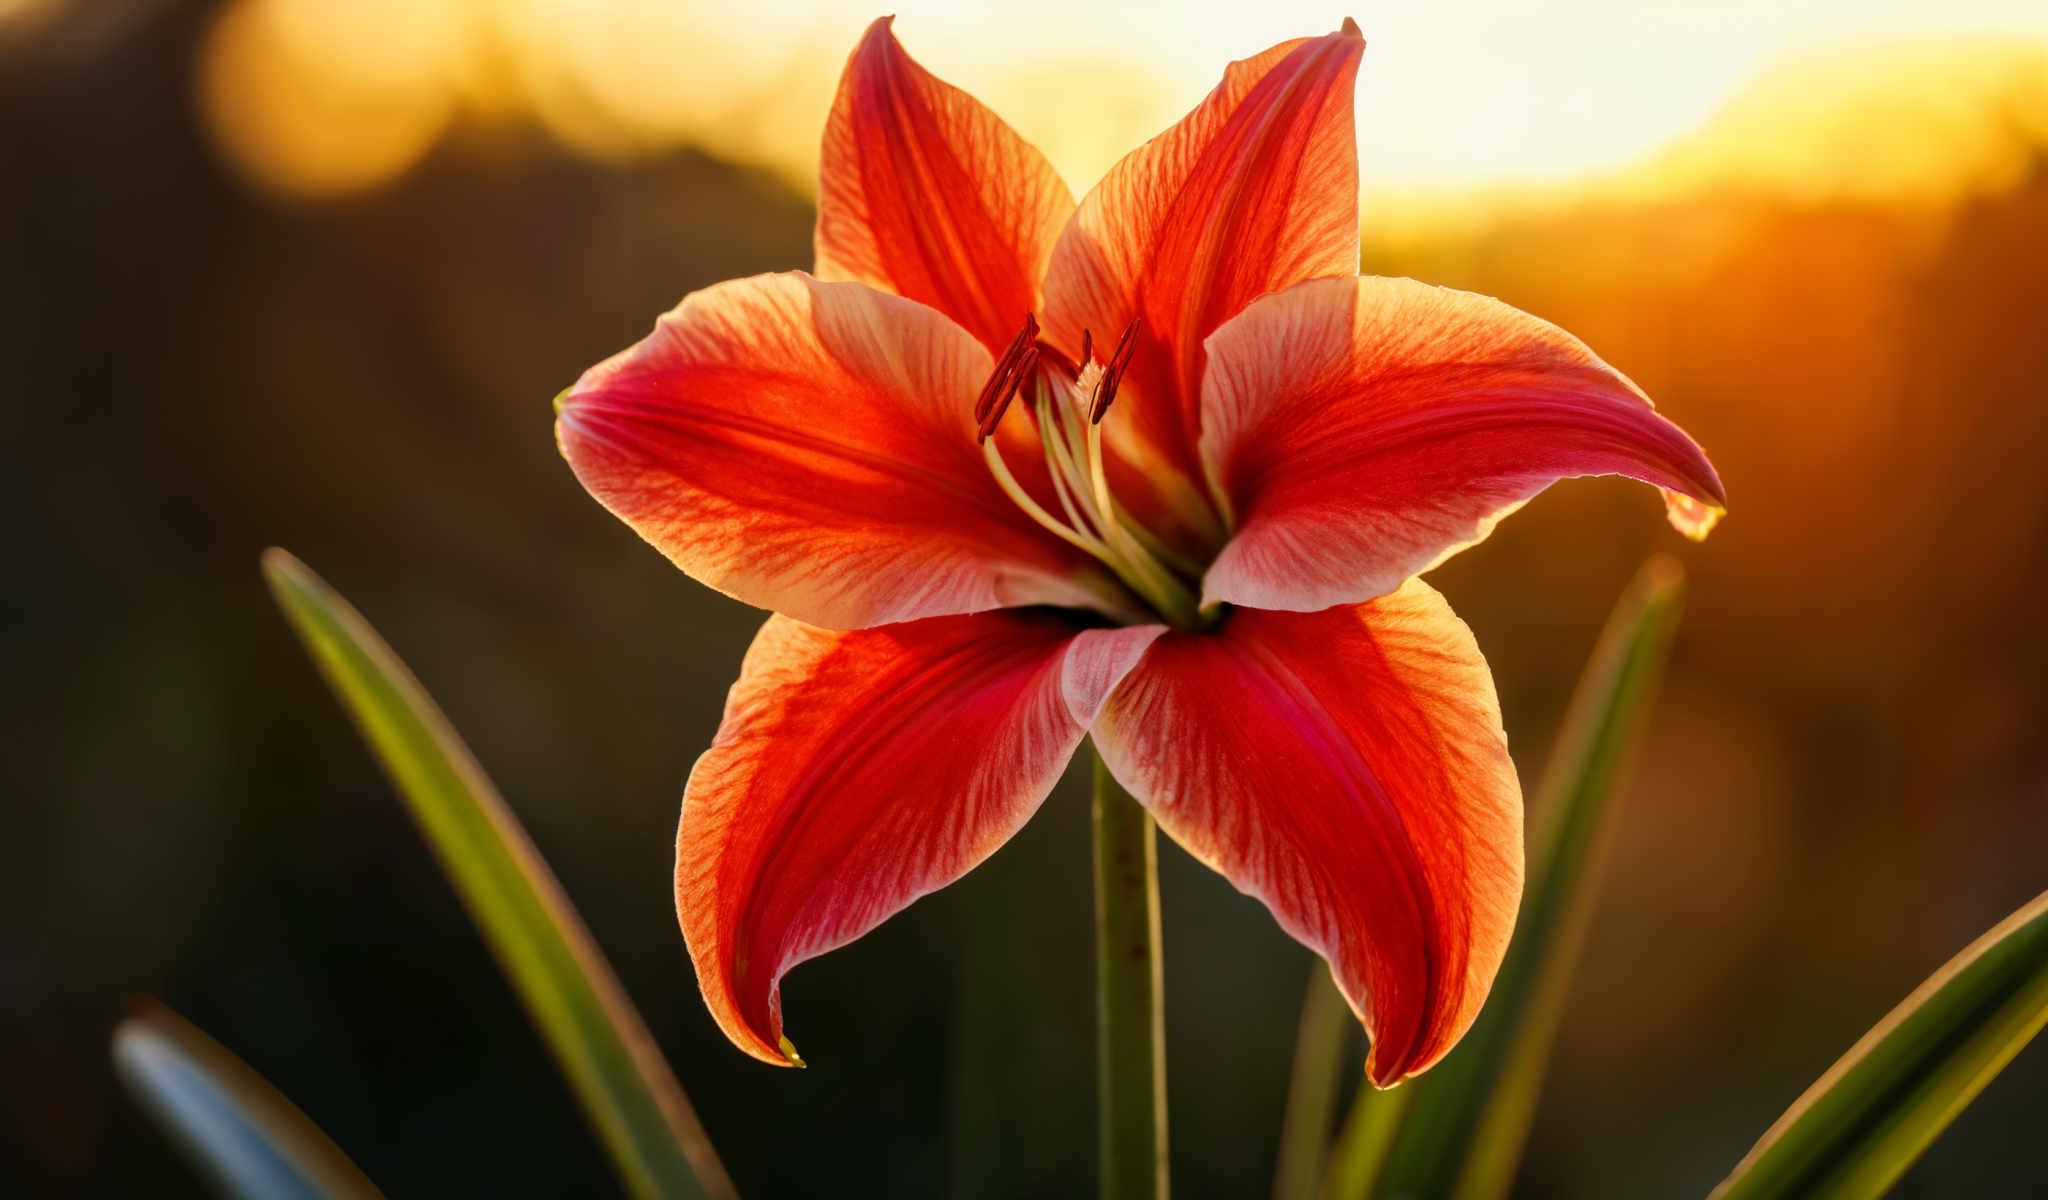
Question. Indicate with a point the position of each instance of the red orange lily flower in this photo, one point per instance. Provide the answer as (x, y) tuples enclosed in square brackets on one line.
[(1183, 515)]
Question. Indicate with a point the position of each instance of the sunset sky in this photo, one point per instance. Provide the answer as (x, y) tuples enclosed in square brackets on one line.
[(327, 96)]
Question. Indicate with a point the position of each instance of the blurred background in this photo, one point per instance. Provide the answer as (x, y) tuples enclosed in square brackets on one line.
[(308, 272)]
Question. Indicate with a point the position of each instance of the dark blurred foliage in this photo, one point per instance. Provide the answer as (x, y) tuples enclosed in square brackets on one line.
[(1847, 779), (1845, 782)]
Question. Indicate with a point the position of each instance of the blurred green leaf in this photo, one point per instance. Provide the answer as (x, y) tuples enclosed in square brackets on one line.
[(1458, 1130), (1859, 1127), (627, 1090), (1319, 1045), (247, 1138), (1363, 1144)]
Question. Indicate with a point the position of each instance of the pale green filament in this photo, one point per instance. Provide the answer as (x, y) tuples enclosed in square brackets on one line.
[(1094, 521), (1016, 492)]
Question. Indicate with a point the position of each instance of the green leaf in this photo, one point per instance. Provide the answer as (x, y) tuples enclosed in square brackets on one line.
[(1319, 1045), (602, 1045), (1459, 1129), (246, 1137), (1859, 1127), (1365, 1141)]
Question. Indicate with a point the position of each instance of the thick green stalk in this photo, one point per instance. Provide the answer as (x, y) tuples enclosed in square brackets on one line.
[(1130, 1036)]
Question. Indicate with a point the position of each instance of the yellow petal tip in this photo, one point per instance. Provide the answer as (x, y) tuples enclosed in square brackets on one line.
[(789, 1052), (1693, 518)]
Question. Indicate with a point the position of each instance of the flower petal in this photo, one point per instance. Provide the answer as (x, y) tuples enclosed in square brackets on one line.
[(924, 192), (1254, 190), (809, 447), (1367, 429), (1347, 768), (855, 772)]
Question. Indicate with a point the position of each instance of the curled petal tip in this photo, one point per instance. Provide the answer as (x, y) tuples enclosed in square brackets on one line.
[(1385, 1076), (1376, 1080), (878, 38), (1350, 29), (787, 1047), (1693, 518)]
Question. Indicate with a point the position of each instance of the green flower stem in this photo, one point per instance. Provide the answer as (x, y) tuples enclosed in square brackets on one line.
[(1130, 1036)]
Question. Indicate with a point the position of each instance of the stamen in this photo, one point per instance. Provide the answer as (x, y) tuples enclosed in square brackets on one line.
[(1005, 368), (1052, 437), (1067, 402), (1140, 570), (1113, 373), (1021, 375), (1015, 491)]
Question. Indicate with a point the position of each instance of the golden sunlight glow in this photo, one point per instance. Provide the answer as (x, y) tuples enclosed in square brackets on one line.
[(327, 96), (1909, 122), (1922, 125), (13, 12), (314, 97)]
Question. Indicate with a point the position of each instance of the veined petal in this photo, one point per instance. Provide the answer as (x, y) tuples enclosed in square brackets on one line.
[(855, 772), (1254, 190), (809, 447), (922, 191), (1348, 768), (1366, 429)]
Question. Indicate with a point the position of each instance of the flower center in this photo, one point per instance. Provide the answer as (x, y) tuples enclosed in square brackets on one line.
[(1068, 404)]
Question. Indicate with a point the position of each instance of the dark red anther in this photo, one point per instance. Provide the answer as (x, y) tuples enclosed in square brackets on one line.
[(1025, 369), (1000, 380), (1113, 374), (1087, 347)]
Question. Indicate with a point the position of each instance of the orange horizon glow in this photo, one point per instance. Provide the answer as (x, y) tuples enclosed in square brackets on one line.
[(324, 98)]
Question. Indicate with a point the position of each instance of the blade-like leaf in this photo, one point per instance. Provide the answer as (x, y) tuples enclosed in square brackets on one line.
[(1319, 1045), (245, 1136), (1458, 1130), (1365, 1141), (1859, 1127), (625, 1087)]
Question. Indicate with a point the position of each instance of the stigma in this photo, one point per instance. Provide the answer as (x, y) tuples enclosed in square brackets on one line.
[(1067, 401)]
